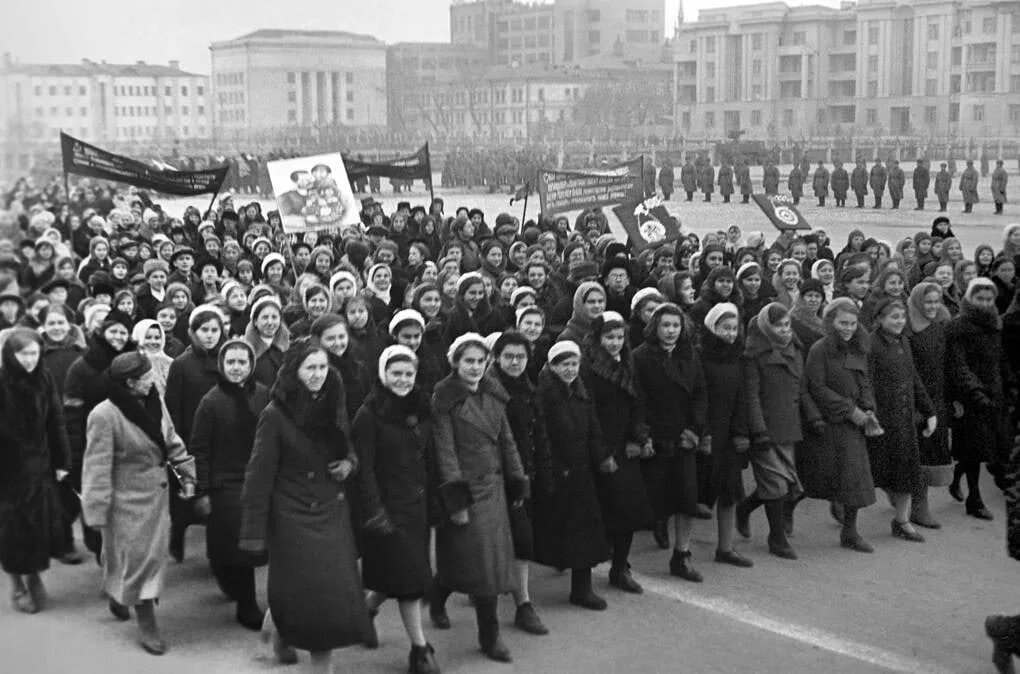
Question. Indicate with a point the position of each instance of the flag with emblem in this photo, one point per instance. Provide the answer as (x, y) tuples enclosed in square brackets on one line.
[(647, 223), (780, 211)]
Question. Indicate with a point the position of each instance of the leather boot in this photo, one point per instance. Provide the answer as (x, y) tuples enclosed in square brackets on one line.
[(743, 514), (1004, 632), (622, 579), (527, 620), (437, 605), (148, 632), (422, 660), (778, 545), (661, 534), (581, 592), (488, 630), (177, 542), (848, 536), (680, 565)]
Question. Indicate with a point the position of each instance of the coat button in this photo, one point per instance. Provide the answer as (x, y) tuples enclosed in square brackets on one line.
[(311, 474)]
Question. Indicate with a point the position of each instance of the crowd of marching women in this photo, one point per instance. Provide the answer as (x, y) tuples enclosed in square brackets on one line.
[(436, 402)]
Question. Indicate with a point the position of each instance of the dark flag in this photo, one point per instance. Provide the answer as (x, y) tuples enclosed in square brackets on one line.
[(570, 190), (522, 192), (647, 223), (88, 160), (417, 166), (780, 211)]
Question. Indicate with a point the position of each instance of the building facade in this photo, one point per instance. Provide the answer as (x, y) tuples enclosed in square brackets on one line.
[(272, 81), (562, 32), (101, 102), (930, 68)]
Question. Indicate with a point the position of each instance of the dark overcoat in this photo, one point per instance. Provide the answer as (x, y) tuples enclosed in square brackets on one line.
[(928, 348)]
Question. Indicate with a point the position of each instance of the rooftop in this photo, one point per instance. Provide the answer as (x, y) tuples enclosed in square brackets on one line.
[(271, 35), (88, 68)]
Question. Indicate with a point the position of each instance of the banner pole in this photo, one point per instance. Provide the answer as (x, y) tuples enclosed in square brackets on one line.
[(524, 213), (63, 165), (428, 163)]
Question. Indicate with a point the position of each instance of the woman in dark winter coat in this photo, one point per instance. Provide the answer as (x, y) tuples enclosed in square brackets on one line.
[(726, 434), (778, 408), (63, 342), (899, 397), (927, 335), (835, 465), (33, 457), (720, 286), (471, 310), (222, 436), (269, 338), (568, 527), (332, 332), (806, 315), (608, 376), (672, 401), (977, 372), (511, 354), (642, 306), (294, 506), (407, 328), (479, 470), (191, 376), (589, 303), (392, 432), (84, 388), (315, 302)]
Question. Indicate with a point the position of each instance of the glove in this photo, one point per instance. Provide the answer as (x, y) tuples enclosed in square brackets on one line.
[(608, 466), (648, 449), (818, 427), (460, 517), (688, 439), (930, 425), (957, 410), (858, 417), (632, 450), (380, 524), (741, 444)]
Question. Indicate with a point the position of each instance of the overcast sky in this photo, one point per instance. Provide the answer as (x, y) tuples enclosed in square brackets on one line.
[(58, 31)]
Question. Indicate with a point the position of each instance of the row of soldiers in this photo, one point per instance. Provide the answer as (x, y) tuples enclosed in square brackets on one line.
[(701, 176)]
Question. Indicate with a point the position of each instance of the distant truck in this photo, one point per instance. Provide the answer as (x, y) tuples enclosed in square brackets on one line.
[(754, 152)]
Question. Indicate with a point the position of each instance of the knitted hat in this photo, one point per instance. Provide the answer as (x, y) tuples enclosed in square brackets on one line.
[(520, 292), (405, 316), (130, 365), (467, 280), (644, 294), (263, 302), (272, 258), (175, 288), (563, 349), (812, 285), (392, 354), (585, 269), (154, 265), (524, 311), (463, 342), (612, 319), (718, 312), (90, 311), (748, 269), (979, 283), (202, 313), (335, 279)]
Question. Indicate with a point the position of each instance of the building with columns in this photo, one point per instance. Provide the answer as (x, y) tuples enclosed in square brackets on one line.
[(269, 81), (935, 68)]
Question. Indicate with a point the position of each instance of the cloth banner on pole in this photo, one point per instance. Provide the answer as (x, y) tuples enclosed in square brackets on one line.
[(780, 211), (561, 191), (414, 167), (314, 194), (84, 159), (647, 223)]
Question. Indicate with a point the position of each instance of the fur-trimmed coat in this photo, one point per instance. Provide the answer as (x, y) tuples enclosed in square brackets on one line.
[(475, 456)]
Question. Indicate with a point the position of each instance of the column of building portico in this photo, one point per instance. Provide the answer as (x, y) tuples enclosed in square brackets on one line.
[(299, 99), (313, 98), (330, 97)]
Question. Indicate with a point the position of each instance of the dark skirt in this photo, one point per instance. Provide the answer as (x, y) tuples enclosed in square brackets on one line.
[(397, 564), (936, 460), (625, 504), (224, 528), (895, 466), (522, 532), (834, 466), (726, 486), (314, 586), (671, 483), (31, 527), (568, 528)]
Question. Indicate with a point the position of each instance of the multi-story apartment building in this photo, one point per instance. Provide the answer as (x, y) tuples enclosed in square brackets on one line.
[(935, 68), (565, 31), (101, 102), (426, 70), (273, 80)]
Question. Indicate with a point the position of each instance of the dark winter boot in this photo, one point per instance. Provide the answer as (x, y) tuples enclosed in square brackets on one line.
[(437, 605), (527, 620), (778, 545), (743, 514), (488, 630), (581, 592), (422, 660), (148, 632), (661, 534), (680, 565), (119, 611), (248, 613), (848, 537), (1004, 631)]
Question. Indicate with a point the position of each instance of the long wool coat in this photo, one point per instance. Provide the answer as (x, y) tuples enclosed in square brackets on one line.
[(1000, 178), (928, 348), (727, 417), (268, 357), (671, 398), (221, 442), (835, 464), (977, 369), (394, 440), (901, 401), (291, 502), (477, 468), (969, 184), (777, 402), (625, 504), (568, 524), (32, 446), (125, 490)]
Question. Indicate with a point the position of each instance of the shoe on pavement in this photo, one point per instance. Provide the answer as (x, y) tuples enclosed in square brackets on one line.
[(733, 558), (422, 660), (854, 542), (497, 650), (781, 549), (680, 565), (623, 580), (527, 620), (589, 600), (703, 512), (1001, 630), (119, 611), (900, 530)]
